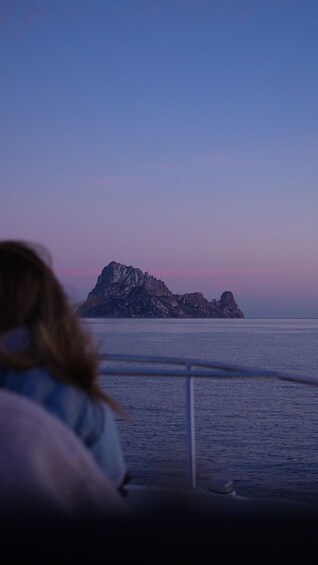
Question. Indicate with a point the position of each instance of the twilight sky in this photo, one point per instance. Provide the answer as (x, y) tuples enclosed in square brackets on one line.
[(177, 136)]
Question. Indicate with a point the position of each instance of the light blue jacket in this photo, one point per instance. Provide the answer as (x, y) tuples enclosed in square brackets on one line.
[(92, 421)]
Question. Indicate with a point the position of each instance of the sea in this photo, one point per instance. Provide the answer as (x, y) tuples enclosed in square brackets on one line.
[(261, 434)]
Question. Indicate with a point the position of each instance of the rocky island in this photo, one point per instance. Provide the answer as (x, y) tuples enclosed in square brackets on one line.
[(126, 292)]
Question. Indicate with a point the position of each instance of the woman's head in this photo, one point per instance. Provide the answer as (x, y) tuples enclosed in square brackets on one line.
[(31, 296), (29, 292)]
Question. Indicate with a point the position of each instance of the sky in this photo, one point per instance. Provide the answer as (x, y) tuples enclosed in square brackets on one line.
[(176, 136)]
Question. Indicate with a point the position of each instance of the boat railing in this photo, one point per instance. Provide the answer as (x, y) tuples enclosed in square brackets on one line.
[(189, 369)]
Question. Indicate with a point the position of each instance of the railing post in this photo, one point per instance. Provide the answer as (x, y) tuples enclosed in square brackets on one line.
[(190, 431)]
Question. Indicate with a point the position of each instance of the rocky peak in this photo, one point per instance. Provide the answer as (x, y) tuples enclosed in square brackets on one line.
[(116, 277), (228, 306), (227, 298), (120, 274)]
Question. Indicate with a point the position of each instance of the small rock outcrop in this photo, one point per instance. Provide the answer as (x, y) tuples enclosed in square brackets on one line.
[(126, 292)]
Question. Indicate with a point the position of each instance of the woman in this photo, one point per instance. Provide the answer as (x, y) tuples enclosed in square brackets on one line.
[(46, 356)]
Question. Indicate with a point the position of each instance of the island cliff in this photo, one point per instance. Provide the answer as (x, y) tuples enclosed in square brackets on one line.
[(126, 292)]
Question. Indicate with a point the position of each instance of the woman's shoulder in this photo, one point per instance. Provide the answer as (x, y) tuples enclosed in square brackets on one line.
[(66, 401), (37, 381)]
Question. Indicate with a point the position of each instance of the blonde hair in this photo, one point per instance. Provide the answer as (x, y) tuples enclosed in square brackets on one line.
[(31, 296)]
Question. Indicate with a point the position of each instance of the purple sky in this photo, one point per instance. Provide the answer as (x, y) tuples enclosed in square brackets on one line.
[(177, 136)]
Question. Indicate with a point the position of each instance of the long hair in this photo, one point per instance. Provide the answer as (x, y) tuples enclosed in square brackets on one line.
[(31, 297)]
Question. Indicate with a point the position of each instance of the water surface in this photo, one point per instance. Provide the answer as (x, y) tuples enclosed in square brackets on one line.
[(261, 434)]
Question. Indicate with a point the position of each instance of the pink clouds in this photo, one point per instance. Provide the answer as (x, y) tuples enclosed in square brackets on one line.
[(218, 272)]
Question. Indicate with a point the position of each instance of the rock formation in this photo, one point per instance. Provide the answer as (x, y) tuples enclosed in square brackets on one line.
[(126, 292)]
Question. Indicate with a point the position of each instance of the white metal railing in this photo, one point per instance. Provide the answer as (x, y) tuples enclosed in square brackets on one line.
[(156, 366)]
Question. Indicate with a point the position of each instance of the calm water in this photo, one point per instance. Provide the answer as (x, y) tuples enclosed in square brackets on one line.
[(263, 435)]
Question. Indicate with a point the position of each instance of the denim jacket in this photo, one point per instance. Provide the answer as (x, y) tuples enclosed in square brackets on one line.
[(92, 421)]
